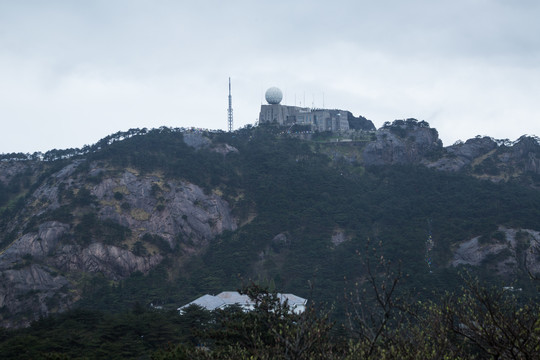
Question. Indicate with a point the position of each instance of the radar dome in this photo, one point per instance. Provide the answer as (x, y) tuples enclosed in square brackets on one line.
[(273, 95)]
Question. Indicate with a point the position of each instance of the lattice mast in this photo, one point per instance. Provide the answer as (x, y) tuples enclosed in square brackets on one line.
[(229, 111)]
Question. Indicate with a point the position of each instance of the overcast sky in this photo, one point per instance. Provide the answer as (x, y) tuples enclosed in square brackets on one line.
[(73, 72)]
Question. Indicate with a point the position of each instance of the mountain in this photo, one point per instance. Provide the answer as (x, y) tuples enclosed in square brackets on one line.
[(162, 216)]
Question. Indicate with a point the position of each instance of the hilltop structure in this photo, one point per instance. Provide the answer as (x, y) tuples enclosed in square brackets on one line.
[(229, 110), (286, 115)]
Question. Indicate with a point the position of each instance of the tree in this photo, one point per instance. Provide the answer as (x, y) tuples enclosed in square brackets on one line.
[(494, 323), (270, 331)]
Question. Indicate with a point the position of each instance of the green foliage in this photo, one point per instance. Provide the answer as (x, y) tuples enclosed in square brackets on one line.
[(287, 186), (270, 331), (279, 185), (161, 243), (322, 135), (139, 249), (17, 185), (488, 166), (84, 198), (118, 196), (164, 150), (4, 194), (107, 231), (494, 322), (473, 323), (82, 334)]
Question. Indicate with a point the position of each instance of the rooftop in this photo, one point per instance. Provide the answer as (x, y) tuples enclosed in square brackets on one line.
[(227, 298)]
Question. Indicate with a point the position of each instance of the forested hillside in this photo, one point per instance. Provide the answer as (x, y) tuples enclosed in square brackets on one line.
[(160, 217)]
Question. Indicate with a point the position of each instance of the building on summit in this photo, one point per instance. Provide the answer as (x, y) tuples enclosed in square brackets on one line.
[(286, 115)]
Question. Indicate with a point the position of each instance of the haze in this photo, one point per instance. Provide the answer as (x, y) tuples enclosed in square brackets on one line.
[(72, 72)]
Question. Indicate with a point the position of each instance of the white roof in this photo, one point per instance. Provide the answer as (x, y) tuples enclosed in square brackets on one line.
[(292, 299), (233, 297), (208, 302), (226, 298)]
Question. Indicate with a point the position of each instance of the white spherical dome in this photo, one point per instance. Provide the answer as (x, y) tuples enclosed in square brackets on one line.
[(273, 95)]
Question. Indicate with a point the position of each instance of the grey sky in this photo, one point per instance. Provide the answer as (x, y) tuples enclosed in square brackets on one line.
[(72, 72)]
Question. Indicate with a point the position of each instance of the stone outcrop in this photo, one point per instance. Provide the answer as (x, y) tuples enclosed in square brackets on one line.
[(43, 254), (34, 266), (224, 149), (525, 152), (460, 155), (412, 142), (402, 143), (196, 140), (281, 240), (167, 208), (30, 286), (46, 197), (38, 244), (9, 169), (30, 292), (113, 262), (338, 237), (31, 268), (486, 155), (515, 248)]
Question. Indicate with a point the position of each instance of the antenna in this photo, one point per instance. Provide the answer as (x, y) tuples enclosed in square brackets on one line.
[(229, 111)]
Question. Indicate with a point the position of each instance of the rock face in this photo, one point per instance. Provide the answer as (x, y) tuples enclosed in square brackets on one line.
[(403, 142), (460, 155), (92, 218), (31, 292), (8, 170), (196, 140), (525, 152), (224, 149), (29, 288), (412, 142), (37, 244), (502, 254), (496, 160), (113, 262), (153, 215), (167, 208), (29, 268)]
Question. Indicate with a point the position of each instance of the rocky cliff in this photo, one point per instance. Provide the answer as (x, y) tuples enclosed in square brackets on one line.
[(403, 142), (413, 142), (163, 197), (460, 155), (502, 252), (90, 218)]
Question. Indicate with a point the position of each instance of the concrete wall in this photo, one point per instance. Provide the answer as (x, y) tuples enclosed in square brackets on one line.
[(319, 119)]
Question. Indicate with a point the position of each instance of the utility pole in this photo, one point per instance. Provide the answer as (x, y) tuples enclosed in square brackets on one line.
[(229, 111)]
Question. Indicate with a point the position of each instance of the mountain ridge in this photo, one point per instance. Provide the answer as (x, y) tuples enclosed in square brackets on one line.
[(201, 208)]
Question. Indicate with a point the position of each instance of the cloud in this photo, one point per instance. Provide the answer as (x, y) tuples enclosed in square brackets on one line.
[(73, 72)]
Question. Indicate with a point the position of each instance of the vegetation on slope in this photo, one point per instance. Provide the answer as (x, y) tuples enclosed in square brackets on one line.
[(292, 198), (474, 323), (281, 185)]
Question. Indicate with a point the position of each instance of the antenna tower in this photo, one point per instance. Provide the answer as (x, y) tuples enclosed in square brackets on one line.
[(229, 111)]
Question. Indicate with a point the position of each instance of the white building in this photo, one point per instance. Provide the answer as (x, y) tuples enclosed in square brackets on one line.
[(227, 298), (286, 115)]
